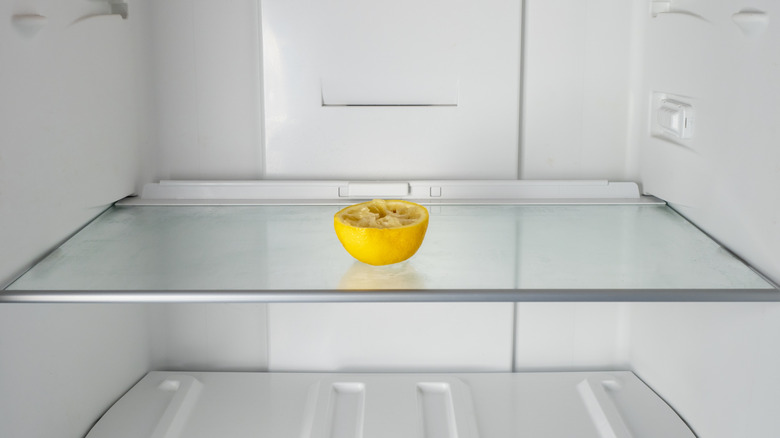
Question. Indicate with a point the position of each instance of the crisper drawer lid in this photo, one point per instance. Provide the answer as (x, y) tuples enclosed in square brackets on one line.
[(496, 405)]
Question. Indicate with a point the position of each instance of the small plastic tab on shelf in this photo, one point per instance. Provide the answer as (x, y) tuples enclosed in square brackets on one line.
[(376, 190)]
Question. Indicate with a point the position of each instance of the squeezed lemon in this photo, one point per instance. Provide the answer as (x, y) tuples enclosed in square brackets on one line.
[(381, 232)]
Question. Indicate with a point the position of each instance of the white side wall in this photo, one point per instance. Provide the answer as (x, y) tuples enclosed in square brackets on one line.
[(73, 122), (725, 178), (73, 125), (62, 366), (715, 363)]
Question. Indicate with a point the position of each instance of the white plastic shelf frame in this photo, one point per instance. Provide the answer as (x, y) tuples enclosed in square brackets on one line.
[(497, 405), (492, 249)]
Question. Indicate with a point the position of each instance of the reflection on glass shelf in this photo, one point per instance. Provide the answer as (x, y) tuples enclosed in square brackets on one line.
[(468, 247), (399, 276)]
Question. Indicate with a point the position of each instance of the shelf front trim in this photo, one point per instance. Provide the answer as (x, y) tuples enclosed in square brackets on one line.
[(387, 296)]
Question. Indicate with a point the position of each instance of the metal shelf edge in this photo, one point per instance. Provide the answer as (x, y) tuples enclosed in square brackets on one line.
[(357, 296)]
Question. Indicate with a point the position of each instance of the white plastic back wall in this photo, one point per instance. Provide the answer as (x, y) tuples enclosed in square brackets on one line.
[(390, 337), (207, 90), (571, 336), (576, 61), (576, 74), (402, 89), (215, 336)]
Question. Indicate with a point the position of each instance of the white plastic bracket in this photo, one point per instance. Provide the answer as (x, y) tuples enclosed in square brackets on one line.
[(375, 190), (434, 191)]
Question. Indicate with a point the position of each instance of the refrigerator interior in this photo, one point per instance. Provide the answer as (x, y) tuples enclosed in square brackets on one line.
[(101, 98)]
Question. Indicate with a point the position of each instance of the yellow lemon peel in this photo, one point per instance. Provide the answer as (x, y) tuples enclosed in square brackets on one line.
[(381, 232)]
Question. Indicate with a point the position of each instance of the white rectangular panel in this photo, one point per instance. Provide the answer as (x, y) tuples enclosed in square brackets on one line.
[(206, 90), (576, 336), (390, 336), (391, 90), (576, 75)]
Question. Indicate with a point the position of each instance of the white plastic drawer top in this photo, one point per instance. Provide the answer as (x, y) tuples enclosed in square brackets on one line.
[(281, 405)]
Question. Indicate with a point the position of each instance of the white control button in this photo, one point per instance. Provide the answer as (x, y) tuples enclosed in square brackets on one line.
[(675, 118)]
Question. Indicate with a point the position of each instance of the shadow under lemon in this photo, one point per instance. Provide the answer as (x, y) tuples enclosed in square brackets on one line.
[(399, 276)]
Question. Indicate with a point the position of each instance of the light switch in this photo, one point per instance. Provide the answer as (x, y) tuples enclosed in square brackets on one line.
[(675, 118)]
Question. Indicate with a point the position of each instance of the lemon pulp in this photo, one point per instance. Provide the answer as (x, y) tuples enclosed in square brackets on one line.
[(381, 232)]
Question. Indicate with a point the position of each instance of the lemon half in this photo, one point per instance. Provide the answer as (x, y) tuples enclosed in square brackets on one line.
[(382, 232)]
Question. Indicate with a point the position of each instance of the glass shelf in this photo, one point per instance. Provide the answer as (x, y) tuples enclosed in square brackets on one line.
[(278, 253)]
